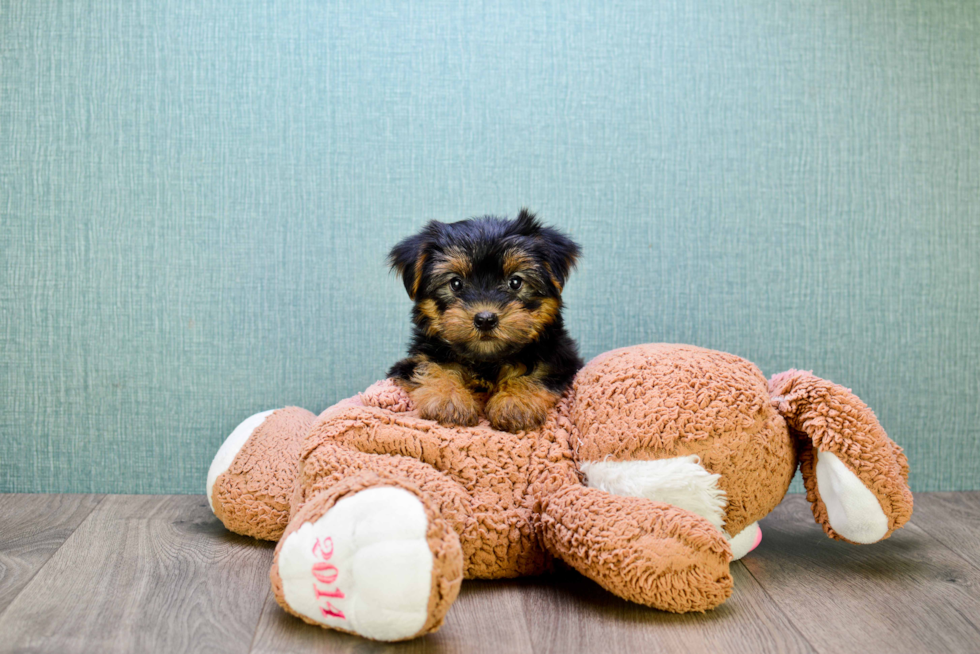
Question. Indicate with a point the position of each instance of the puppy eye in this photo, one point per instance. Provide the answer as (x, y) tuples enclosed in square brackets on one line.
[(456, 283), (515, 283)]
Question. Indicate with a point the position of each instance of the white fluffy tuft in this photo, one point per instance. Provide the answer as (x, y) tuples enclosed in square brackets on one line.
[(680, 481)]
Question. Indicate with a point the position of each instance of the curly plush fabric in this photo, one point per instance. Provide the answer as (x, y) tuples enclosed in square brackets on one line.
[(646, 552), (830, 418), (504, 505), (252, 497), (660, 401), (478, 477)]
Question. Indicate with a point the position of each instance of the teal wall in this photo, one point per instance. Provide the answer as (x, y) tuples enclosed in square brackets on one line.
[(196, 199)]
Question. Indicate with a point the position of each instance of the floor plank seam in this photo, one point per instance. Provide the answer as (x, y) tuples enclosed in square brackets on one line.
[(789, 621), (53, 554), (527, 627), (968, 620), (258, 625), (947, 547)]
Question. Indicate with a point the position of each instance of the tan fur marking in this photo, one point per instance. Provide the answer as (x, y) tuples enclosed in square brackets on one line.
[(520, 402), (551, 276), (516, 325), (430, 310), (515, 260), (545, 314), (441, 394), (453, 261), (418, 275)]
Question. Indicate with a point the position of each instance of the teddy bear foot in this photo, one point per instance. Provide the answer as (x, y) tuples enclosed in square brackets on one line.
[(372, 563)]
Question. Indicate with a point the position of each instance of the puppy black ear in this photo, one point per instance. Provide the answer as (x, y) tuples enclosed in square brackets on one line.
[(408, 257), (560, 252), (527, 223)]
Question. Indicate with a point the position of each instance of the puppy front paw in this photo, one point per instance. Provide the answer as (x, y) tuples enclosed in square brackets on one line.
[(440, 393), (514, 412), (452, 408)]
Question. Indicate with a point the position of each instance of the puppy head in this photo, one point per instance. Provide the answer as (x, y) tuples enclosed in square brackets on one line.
[(487, 286)]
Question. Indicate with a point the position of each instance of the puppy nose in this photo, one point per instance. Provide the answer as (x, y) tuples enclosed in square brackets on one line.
[(485, 321)]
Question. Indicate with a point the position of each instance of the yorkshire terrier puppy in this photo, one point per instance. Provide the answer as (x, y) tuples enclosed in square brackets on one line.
[(488, 331)]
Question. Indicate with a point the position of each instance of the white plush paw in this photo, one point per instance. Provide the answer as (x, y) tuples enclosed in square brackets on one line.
[(852, 509), (365, 566), (230, 448), (745, 541)]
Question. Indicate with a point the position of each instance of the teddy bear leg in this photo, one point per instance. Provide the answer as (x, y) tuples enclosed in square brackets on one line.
[(370, 556), (641, 550), (496, 533), (251, 477), (856, 477)]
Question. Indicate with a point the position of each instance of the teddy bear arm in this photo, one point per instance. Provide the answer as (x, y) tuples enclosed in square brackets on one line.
[(855, 476), (472, 474), (647, 552)]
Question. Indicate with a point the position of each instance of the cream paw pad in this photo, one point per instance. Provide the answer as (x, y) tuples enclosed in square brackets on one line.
[(372, 563)]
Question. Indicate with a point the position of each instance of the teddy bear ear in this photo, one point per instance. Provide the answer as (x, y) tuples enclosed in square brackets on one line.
[(856, 477), (409, 256)]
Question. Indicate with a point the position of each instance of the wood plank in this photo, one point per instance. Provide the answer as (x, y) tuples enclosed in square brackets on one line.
[(569, 613), (560, 613), (953, 519), (906, 594), (32, 528), (153, 573), (143, 574), (488, 616)]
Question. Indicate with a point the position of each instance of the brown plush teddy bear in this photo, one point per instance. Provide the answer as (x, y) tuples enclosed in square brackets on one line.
[(648, 477)]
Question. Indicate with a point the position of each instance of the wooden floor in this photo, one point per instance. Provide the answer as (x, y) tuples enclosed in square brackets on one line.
[(124, 573)]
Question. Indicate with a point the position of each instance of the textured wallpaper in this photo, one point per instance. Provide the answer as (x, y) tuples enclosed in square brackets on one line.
[(196, 199)]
